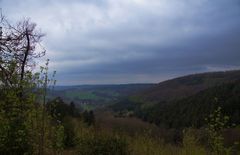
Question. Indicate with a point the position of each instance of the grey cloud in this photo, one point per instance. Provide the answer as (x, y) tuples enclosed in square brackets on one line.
[(107, 41)]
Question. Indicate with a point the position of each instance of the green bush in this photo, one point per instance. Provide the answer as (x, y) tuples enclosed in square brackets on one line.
[(191, 143), (102, 144)]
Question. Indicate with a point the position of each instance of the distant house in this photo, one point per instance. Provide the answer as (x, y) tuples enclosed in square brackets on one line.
[(85, 101)]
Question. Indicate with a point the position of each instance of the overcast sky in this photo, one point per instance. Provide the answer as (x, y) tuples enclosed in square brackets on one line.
[(133, 41)]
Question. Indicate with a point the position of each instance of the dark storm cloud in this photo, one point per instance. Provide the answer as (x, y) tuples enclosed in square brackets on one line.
[(108, 41)]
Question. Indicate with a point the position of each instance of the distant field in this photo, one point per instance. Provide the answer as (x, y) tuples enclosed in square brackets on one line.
[(81, 95), (96, 95)]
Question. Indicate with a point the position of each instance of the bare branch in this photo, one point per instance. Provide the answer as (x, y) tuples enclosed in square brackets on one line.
[(18, 44)]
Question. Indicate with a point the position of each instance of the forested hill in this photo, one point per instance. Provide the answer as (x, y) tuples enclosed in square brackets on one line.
[(186, 101), (193, 110), (186, 86)]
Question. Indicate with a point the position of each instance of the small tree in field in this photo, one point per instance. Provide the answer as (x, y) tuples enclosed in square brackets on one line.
[(217, 122)]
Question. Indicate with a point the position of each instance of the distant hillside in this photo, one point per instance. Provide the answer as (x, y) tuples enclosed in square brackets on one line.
[(123, 89), (186, 86), (90, 96), (186, 101)]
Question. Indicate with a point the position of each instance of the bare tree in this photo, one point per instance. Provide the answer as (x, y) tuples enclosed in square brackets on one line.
[(19, 45)]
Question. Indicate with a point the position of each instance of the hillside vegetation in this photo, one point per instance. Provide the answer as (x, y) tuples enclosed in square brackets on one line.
[(186, 101), (186, 86), (193, 110)]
